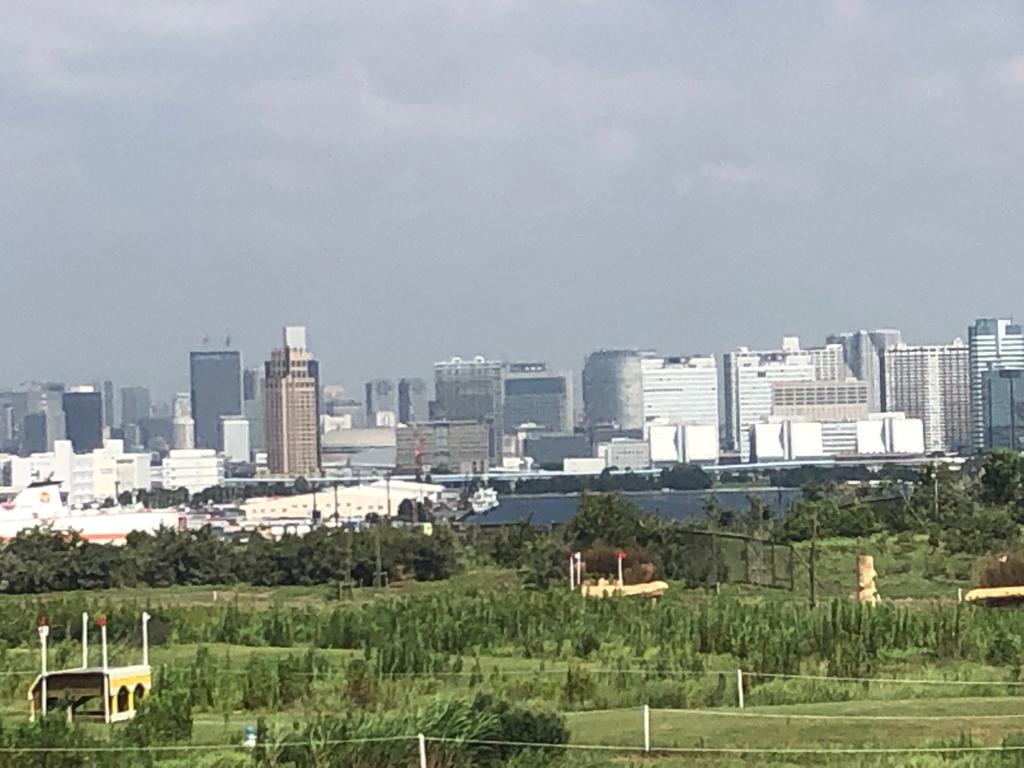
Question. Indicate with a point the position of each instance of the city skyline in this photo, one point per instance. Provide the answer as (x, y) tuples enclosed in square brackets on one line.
[(665, 175)]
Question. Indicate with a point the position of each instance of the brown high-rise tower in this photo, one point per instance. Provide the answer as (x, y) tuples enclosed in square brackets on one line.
[(292, 393)]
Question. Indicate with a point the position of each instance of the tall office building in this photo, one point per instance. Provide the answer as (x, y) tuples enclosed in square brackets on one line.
[(108, 404), (413, 401), (613, 392), (253, 402), (183, 426), (932, 383), (83, 419), (292, 412), (680, 390), (994, 343), (472, 390), (216, 378), (748, 379), (863, 351), (381, 403), (234, 436), (533, 395), (1003, 408), (135, 405)]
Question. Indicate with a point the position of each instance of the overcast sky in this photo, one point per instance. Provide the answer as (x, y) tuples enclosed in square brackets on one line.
[(414, 180)]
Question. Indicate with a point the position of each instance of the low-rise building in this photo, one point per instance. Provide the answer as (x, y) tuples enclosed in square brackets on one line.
[(85, 478), (443, 446), (195, 470)]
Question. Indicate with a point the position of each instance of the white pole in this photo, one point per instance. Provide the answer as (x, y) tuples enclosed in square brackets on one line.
[(959, 594), (739, 687), (145, 638), (106, 677), (85, 640), (621, 556), (423, 750), (44, 631), (572, 572), (647, 728), (579, 570)]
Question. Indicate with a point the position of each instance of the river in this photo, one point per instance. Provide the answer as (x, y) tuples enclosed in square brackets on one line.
[(554, 509)]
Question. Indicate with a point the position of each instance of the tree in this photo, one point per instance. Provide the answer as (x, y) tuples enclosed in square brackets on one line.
[(1001, 481)]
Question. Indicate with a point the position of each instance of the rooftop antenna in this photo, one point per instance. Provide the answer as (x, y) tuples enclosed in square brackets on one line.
[(206, 339), (227, 340)]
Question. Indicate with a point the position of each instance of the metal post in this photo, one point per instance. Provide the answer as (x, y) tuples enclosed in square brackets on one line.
[(572, 571), (739, 687), (423, 749), (620, 558), (85, 640), (959, 594), (44, 632), (106, 677), (579, 570), (647, 728), (145, 638)]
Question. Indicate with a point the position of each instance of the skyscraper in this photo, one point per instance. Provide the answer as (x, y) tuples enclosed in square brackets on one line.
[(472, 390), (613, 389), (932, 383), (292, 391), (83, 419), (253, 403), (994, 343), (216, 378), (183, 426), (381, 403), (108, 404), (135, 405), (413, 401), (1003, 400), (533, 395), (863, 352), (748, 393), (680, 390)]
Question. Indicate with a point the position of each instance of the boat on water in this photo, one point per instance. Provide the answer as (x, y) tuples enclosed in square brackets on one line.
[(484, 499), (39, 505)]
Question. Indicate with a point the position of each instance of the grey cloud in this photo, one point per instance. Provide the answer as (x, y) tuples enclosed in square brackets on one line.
[(414, 180)]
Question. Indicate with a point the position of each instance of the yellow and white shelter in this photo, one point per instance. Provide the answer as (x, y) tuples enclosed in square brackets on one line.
[(81, 691)]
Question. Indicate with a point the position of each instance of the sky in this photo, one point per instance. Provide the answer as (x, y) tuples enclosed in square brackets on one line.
[(414, 180)]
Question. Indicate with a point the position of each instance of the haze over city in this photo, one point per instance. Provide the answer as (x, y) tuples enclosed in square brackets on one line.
[(519, 180)]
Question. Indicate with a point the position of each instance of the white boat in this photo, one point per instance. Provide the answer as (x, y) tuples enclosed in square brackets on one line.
[(483, 500), (39, 506)]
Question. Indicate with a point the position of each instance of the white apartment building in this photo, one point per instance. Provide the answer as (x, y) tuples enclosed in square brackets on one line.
[(195, 470), (748, 380), (680, 390), (994, 343), (86, 478), (932, 383)]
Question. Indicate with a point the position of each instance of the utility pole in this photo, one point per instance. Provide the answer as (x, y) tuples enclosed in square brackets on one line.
[(378, 576), (813, 560)]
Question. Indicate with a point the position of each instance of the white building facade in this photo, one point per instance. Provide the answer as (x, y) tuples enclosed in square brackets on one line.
[(195, 470), (932, 383), (86, 478)]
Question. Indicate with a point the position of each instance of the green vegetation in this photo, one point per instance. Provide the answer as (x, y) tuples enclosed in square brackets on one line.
[(479, 644)]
